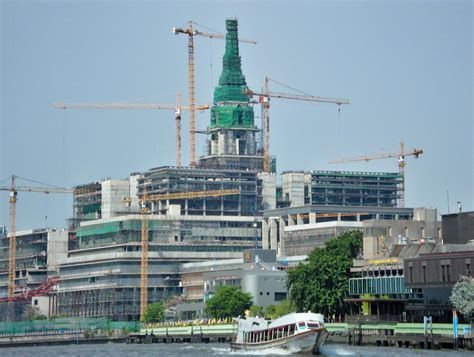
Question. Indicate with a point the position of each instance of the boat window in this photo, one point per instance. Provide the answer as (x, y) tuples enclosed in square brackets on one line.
[(312, 324), (301, 325)]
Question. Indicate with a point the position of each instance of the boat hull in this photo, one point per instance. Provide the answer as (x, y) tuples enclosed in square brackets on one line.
[(304, 342)]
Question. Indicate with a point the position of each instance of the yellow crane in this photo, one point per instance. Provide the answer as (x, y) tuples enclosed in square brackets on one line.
[(191, 32), (401, 163), (14, 189), (264, 100), (144, 235), (177, 108)]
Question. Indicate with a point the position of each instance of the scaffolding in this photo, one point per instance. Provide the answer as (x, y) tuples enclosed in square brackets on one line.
[(174, 180), (378, 189), (87, 202)]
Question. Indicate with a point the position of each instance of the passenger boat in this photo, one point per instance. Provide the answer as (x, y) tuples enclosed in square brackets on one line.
[(296, 332)]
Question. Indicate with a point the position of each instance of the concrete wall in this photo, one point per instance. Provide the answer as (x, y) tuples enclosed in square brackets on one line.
[(113, 192), (133, 194), (264, 286), (268, 190), (57, 247), (42, 304), (293, 188), (458, 228)]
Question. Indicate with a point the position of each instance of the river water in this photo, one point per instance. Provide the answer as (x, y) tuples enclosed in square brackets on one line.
[(203, 350)]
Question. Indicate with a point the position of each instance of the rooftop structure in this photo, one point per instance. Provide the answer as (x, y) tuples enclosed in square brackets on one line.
[(232, 140), (458, 228)]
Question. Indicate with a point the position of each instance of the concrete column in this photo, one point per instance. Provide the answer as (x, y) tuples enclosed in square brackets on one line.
[(312, 217), (281, 250), (273, 234), (291, 220), (299, 220), (265, 241)]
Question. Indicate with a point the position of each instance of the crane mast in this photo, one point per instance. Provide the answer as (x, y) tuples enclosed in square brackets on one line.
[(14, 189), (144, 231), (12, 250), (144, 257), (178, 128)]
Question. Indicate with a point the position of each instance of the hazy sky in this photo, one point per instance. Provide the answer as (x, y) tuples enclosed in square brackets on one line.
[(406, 66)]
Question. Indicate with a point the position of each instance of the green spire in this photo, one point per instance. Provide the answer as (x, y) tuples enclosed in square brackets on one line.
[(231, 87)]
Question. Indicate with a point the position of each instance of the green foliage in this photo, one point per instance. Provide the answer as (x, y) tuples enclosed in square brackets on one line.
[(228, 302), (275, 311), (155, 312), (88, 333), (256, 310), (321, 283), (31, 313), (365, 304), (462, 297)]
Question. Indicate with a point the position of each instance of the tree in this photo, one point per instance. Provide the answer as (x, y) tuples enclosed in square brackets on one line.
[(256, 310), (228, 302), (155, 312), (462, 297), (32, 313), (275, 311), (321, 283)]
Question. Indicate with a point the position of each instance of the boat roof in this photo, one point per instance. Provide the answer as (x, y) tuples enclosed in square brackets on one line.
[(296, 317)]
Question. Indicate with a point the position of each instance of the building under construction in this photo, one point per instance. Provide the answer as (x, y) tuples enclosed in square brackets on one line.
[(170, 180), (38, 253), (340, 188), (232, 142), (102, 276)]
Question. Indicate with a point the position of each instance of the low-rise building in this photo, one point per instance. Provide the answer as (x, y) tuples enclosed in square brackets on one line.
[(435, 274), (257, 272)]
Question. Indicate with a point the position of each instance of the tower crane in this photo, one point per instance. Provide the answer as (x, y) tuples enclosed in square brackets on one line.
[(191, 32), (14, 189), (144, 235), (401, 163), (264, 100), (177, 108)]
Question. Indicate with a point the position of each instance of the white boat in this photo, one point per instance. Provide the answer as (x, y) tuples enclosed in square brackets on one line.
[(296, 332)]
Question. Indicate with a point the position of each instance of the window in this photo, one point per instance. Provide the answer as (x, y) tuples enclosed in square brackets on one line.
[(411, 274), (424, 273), (448, 272), (280, 296), (268, 293), (468, 269), (443, 273), (261, 293), (36, 302)]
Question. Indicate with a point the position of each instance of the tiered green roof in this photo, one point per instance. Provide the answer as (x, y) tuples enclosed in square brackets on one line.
[(226, 113)]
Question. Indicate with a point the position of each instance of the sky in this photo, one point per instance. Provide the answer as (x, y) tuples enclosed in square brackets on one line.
[(406, 67)]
